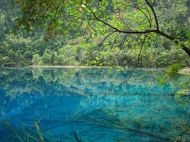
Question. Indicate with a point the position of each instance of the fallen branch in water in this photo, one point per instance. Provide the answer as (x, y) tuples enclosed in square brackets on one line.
[(41, 138), (105, 123), (6, 124)]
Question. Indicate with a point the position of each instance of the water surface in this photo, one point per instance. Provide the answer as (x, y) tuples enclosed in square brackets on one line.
[(92, 105)]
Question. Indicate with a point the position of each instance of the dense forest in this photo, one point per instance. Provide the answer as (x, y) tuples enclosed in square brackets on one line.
[(90, 43)]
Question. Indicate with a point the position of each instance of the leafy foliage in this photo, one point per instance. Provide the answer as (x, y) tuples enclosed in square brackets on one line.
[(86, 33)]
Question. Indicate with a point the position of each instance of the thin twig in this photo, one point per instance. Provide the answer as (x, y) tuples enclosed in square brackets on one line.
[(138, 58), (154, 13), (106, 38), (147, 17)]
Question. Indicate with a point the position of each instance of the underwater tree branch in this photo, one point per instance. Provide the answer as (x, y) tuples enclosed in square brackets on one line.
[(6, 124), (41, 138)]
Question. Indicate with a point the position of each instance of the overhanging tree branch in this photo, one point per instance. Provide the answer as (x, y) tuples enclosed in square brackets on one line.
[(117, 29), (157, 30)]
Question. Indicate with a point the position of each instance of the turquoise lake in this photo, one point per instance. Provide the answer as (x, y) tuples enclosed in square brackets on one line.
[(92, 105)]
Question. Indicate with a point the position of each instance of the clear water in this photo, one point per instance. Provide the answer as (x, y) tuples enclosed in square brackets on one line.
[(92, 105)]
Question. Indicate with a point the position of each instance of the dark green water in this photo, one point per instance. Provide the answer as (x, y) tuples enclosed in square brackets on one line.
[(92, 105)]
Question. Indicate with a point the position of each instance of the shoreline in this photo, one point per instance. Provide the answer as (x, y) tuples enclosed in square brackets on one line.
[(185, 71), (86, 67), (69, 67)]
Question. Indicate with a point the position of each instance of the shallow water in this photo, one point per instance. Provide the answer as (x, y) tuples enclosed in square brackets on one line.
[(87, 105)]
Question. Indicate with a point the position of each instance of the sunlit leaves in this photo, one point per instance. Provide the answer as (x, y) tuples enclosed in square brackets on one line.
[(59, 15), (94, 19)]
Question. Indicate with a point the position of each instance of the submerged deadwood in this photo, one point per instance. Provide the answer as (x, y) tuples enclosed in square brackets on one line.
[(7, 125), (74, 134), (37, 126)]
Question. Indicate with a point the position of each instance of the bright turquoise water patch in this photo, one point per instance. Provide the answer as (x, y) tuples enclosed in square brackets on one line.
[(92, 105)]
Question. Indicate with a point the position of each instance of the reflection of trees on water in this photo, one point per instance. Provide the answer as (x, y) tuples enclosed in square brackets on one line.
[(96, 104), (84, 82)]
